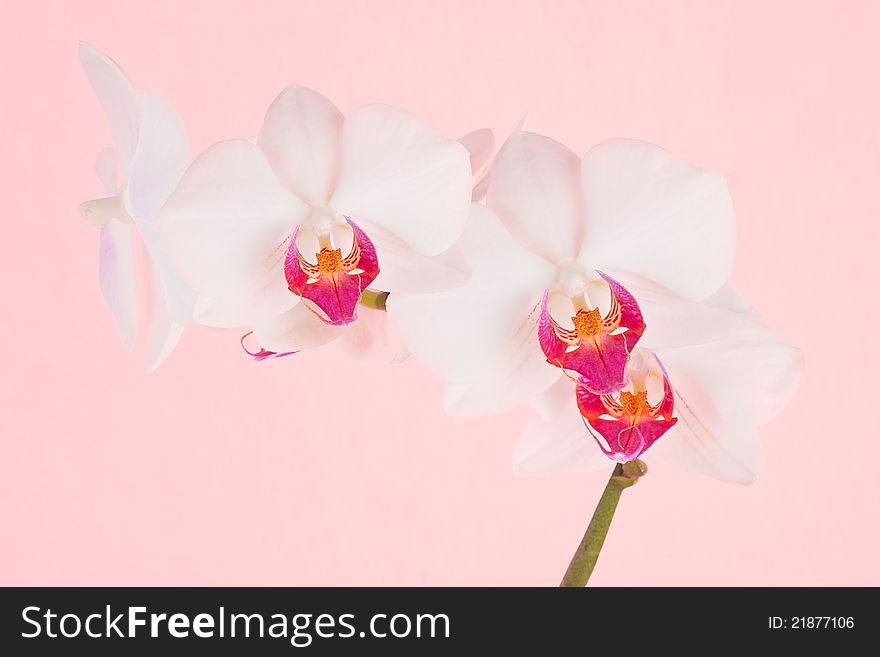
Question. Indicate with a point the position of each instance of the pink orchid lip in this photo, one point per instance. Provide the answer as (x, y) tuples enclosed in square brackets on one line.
[(626, 421), (597, 348), (332, 286)]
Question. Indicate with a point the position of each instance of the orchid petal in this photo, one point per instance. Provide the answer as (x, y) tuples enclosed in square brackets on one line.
[(118, 281), (589, 404), (301, 137), (666, 406), (657, 216), (105, 169), (163, 332), (400, 175), (297, 329), (403, 270), (176, 292), (749, 375), (678, 322), (468, 333), (630, 313), (560, 444), (479, 145), (524, 376), (704, 442), (259, 302), (627, 441), (552, 345), (160, 159), (729, 299), (624, 441), (534, 188), (481, 187), (549, 404), (119, 99), (601, 361), (366, 337), (228, 225)]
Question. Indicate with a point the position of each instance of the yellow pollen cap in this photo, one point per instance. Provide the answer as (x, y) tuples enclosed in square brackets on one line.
[(330, 261), (634, 404), (587, 322)]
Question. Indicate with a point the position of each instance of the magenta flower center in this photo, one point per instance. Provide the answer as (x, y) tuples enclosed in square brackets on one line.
[(331, 286), (596, 346), (625, 423)]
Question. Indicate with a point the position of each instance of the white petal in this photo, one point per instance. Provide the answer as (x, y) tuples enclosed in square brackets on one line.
[(163, 338), (163, 332), (260, 301), (657, 216), (297, 329), (481, 186), (749, 375), (105, 169), (534, 187), (118, 281), (555, 400), (366, 336), (160, 159), (479, 145), (402, 270), (177, 294), (728, 298), (703, 441), (673, 321), (119, 99), (562, 444), (228, 223), (400, 175), (301, 137), (524, 376), (467, 333)]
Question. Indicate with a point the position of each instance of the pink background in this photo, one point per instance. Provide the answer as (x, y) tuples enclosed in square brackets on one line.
[(217, 470)]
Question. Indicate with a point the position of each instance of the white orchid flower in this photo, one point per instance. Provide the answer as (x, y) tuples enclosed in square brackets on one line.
[(149, 155), (287, 234), (590, 271)]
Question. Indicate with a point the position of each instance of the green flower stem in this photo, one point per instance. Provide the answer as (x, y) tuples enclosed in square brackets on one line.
[(587, 553), (373, 299)]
